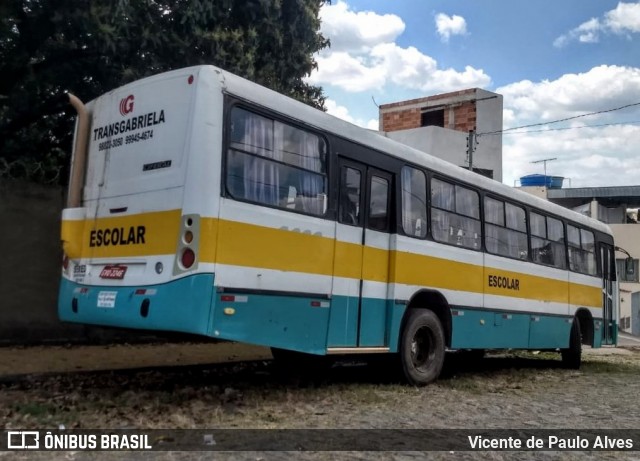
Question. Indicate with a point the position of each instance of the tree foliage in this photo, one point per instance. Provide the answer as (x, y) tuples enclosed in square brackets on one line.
[(88, 47)]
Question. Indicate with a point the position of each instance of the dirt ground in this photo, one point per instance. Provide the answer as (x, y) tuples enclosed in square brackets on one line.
[(60, 359), (176, 386)]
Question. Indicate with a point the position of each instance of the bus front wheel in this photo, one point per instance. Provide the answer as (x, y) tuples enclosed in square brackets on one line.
[(422, 347), (572, 356)]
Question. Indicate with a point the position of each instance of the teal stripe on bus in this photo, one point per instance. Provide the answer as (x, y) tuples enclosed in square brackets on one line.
[(183, 305)]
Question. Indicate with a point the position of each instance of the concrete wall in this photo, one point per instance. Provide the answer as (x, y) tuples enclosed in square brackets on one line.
[(30, 262), (451, 146), (535, 190), (489, 147), (627, 236), (30, 259), (446, 144), (635, 317)]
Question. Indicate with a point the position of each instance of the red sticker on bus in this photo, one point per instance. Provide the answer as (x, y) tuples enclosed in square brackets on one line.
[(113, 272)]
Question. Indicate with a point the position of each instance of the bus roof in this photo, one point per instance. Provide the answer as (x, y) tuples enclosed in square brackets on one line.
[(246, 90)]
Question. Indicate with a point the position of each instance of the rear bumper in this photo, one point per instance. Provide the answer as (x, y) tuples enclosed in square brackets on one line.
[(182, 305)]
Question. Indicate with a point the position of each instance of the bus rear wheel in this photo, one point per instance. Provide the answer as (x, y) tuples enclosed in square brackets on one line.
[(572, 356), (422, 347)]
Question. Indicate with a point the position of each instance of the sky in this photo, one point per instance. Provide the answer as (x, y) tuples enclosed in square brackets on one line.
[(550, 59)]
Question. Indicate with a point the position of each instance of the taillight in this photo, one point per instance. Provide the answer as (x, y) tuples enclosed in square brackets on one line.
[(65, 262), (188, 258), (188, 243)]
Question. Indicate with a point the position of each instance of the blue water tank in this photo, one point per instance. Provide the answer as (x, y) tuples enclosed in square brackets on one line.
[(540, 180), (556, 182)]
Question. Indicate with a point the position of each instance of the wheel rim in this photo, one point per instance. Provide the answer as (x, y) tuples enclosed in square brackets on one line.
[(422, 349)]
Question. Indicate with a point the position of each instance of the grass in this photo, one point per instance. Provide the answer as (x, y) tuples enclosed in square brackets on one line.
[(610, 367), (254, 396), (34, 410)]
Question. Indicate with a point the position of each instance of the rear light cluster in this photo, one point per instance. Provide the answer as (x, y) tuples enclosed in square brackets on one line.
[(188, 242), (188, 258)]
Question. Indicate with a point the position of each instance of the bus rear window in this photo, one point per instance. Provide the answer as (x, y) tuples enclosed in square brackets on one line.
[(276, 164)]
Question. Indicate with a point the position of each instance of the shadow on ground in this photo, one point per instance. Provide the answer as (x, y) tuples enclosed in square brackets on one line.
[(269, 374)]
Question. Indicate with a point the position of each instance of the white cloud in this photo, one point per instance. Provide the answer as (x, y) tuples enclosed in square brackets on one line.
[(603, 87), (342, 112), (348, 72), (364, 57), (590, 157), (587, 32), (623, 20), (447, 26), (350, 30), (583, 154)]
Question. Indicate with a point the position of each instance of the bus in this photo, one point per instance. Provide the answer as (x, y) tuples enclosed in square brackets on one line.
[(203, 203)]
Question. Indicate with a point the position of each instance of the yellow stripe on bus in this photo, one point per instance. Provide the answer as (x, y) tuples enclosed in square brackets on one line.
[(348, 260), (143, 234), (583, 295), (242, 244), (506, 283), (71, 234), (420, 270), (249, 245)]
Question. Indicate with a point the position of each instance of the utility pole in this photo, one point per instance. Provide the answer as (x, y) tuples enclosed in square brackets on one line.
[(471, 146), (544, 161)]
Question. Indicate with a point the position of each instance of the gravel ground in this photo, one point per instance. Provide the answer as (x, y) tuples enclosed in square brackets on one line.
[(503, 391)]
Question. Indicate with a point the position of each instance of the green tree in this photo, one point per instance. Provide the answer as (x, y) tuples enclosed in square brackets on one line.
[(88, 47)]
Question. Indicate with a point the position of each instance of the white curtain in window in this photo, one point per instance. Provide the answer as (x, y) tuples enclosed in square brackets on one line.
[(407, 192), (261, 178), (442, 195), (311, 185), (467, 202)]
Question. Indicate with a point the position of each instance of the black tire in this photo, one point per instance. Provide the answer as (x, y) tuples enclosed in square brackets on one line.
[(572, 356), (422, 347)]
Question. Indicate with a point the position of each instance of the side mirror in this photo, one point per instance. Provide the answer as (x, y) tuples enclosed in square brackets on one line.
[(629, 267)]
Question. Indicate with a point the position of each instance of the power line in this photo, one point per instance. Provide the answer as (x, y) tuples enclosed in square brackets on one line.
[(633, 122), (562, 119)]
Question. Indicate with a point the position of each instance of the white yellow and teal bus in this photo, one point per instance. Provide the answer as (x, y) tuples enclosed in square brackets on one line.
[(200, 202)]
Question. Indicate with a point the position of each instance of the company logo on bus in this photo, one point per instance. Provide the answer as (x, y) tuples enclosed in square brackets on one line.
[(126, 105)]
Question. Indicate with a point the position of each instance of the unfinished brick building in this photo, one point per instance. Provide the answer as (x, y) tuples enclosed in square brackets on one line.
[(455, 111), (440, 125)]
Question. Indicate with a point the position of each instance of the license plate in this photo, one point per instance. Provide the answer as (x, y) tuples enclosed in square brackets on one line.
[(107, 299), (113, 272)]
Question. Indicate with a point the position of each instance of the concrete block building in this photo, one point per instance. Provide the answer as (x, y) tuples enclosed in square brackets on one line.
[(440, 126), (616, 206)]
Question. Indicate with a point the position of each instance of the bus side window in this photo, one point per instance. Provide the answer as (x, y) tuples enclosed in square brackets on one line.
[(505, 229), (350, 187), (547, 240), (455, 214), (379, 204), (272, 163), (414, 202)]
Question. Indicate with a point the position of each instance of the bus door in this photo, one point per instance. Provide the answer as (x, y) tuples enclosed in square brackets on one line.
[(359, 307), (608, 271)]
